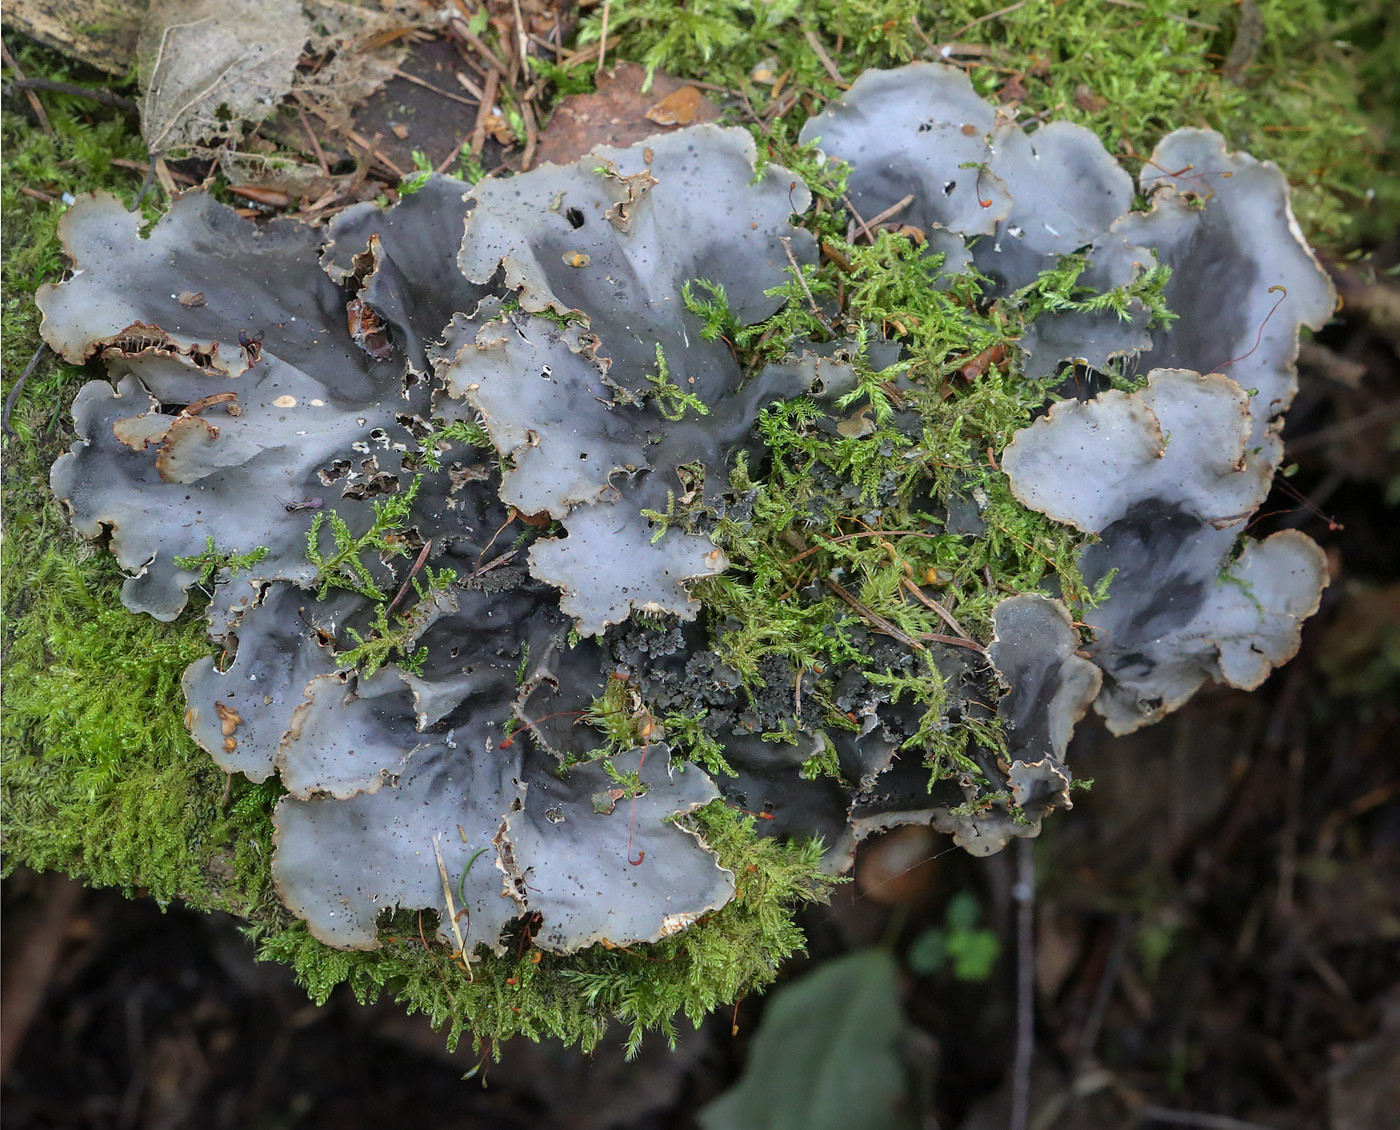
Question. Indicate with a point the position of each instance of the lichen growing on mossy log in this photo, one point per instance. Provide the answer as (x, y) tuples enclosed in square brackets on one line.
[(425, 646)]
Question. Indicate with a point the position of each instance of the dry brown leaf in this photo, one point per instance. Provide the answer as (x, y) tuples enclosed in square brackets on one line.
[(358, 52), (210, 66), (617, 114), (677, 109), (1087, 100)]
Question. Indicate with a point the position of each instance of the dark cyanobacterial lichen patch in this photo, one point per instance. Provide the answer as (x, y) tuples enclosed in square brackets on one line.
[(478, 482), (1169, 476), (361, 752), (617, 404)]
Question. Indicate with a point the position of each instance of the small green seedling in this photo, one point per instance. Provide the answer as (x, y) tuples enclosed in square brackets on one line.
[(973, 952)]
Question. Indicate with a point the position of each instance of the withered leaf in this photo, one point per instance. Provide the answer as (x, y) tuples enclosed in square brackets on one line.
[(677, 109), (1013, 90), (229, 718), (210, 66), (1087, 100), (615, 114)]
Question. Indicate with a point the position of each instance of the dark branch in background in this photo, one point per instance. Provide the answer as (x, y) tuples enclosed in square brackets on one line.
[(34, 103), (1023, 893), (145, 184), (1346, 428), (19, 385), (1249, 35), (105, 97), (1103, 995), (1148, 1115)]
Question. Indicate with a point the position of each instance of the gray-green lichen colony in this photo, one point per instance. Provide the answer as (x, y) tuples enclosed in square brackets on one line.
[(424, 454)]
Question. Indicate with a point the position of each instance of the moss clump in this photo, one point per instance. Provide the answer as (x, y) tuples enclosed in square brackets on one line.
[(100, 777), (728, 954), (867, 500), (1130, 73)]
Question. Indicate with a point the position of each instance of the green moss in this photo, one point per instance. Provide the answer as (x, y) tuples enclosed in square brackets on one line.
[(868, 507), (724, 956), (1129, 72), (100, 777)]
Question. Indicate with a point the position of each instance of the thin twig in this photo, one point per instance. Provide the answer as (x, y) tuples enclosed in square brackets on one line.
[(14, 392), (1332, 824), (1169, 15), (1343, 430), (1103, 995), (461, 953), (465, 82), (888, 213), (1024, 895), (703, 85), (435, 89), (494, 563), (873, 618), (522, 44), (851, 208), (105, 97), (932, 46), (547, 44), (315, 143), (861, 534), (461, 28), (146, 167), (585, 53), (827, 64), (532, 135), (371, 147), (802, 279), (146, 182), (34, 103), (1331, 365), (779, 107), (943, 614), (324, 202), (483, 112), (456, 149), (1147, 1114), (408, 580), (603, 38), (165, 178), (953, 641), (989, 16)]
